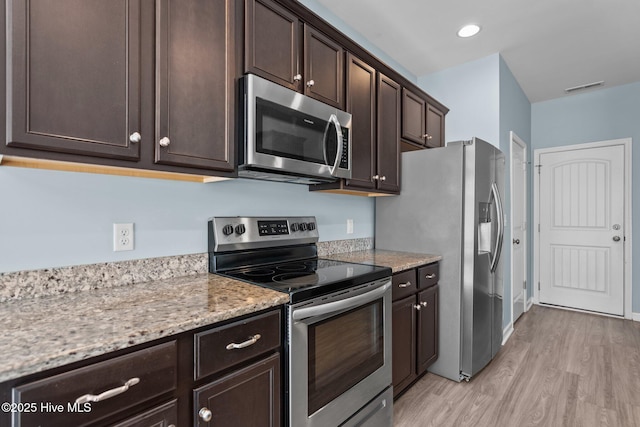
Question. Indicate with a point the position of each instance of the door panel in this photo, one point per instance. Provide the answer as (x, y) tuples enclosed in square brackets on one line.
[(323, 68), (388, 134), (518, 228), (581, 213)]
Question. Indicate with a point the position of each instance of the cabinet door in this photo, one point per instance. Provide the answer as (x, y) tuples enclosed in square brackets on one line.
[(245, 398), (74, 76), (195, 87), (272, 43), (435, 127), (427, 328), (323, 68), (404, 341), (388, 160), (414, 112), (361, 103)]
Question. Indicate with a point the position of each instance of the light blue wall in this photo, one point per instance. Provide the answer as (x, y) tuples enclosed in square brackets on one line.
[(472, 93), (600, 115), (53, 219)]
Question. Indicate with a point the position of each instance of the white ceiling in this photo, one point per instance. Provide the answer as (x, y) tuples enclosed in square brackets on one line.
[(549, 45)]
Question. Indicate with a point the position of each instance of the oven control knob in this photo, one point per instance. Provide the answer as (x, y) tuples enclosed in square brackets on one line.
[(240, 229), (303, 226), (227, 229), (311, 226), (295, 226)]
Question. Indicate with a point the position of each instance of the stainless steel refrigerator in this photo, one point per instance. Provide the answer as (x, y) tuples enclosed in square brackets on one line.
[(451, 205)]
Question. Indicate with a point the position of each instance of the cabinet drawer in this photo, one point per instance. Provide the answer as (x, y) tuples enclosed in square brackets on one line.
[(160, 416), (154, 368), (404, 284), (228, 345), (428, 275)]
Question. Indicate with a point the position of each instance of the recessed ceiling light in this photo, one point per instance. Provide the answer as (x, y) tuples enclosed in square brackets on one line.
[(469, 30)]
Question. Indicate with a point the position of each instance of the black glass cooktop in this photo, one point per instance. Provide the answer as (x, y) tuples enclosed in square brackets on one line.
[(309, 278)]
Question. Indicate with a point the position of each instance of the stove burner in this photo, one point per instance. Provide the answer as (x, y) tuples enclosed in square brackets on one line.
[(292, 267), (297, 279), (259, 272)]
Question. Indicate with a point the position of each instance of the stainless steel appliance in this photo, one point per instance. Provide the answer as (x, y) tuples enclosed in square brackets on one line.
[(451, 204), (338, 349), (290, 137)]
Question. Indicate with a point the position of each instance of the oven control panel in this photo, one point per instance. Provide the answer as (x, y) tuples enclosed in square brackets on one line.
[(235, 233)]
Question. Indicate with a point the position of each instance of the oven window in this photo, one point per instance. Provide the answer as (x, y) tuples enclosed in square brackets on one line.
[(343, 350), (284, 132)]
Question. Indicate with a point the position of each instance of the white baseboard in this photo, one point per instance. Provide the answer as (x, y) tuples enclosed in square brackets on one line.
[(506, 333), (529, 304), (635, 317)]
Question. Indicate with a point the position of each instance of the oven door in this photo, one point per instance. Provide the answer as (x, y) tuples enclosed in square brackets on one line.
[(339, 354)]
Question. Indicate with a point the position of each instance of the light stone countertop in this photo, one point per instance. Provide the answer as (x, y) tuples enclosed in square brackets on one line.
[(397, 261), (47, 332)]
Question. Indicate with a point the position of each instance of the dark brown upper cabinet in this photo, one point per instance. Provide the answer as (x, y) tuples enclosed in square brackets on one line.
[(85, 85), (195, 89), (388, 156), (374, 103), (422, 123), (73, 80), (361, 103), (283, 49)]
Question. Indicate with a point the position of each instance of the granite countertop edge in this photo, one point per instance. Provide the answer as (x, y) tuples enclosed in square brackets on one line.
[(396, 260), (50, 332), (54, 331)]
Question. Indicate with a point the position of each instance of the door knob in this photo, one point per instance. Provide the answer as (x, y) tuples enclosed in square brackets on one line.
[(516, 241), (310, 83), (616, 238), (135, 137), (164, 142)]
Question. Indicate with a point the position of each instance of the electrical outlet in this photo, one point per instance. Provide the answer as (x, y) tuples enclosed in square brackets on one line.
[(349, 226), (123, 237)]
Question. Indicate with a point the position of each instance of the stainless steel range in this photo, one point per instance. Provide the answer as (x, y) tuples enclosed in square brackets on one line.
[(338, 350)]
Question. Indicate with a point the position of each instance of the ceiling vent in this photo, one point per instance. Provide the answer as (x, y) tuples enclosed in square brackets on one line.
[(581, 87)]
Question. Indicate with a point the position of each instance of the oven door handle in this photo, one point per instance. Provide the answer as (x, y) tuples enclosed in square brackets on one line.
[(345, 304)]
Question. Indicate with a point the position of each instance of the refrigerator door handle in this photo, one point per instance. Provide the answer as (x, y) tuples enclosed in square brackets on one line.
[(500, 220)]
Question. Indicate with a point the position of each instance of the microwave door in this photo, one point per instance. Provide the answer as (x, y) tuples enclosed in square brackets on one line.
[(333, 129)]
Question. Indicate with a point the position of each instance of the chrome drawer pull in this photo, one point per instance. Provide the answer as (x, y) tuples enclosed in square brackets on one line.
[(404, 285), (430, 276), (251, 341), (109, 393)]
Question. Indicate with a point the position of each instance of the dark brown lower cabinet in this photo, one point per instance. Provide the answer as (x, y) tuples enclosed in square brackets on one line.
[(245, 398), (153, 384), (415, 325)]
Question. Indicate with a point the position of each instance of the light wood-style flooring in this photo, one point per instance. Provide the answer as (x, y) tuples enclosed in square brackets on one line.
[(559, 368)]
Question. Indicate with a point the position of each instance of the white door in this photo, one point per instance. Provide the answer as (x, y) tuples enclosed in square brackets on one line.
[(582, 228), (518, 225)]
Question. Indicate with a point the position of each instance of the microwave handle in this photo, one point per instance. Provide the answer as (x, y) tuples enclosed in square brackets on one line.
[(334, 119)]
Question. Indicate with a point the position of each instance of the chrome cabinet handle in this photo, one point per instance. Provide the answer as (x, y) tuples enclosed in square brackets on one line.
[(616, 238), (516, 241), (109, 393), (404, 285), (251, 341), (164, 142), (417, 307), (135, 137), (310, 83), (297, 77), (383, 178), (205, 414), (375, 177), (430, 276), (424, 303), (427, 136)]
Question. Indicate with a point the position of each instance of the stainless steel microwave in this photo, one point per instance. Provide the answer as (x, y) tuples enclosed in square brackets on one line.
[(290, 137)]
